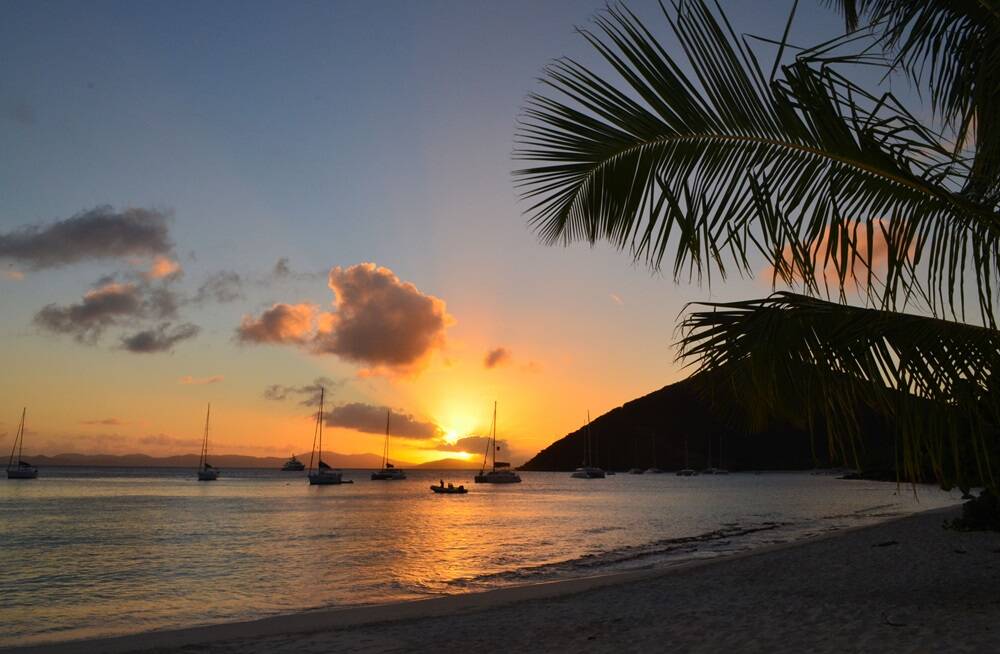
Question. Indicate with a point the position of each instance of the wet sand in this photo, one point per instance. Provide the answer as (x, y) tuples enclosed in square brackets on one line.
[(903, 586)]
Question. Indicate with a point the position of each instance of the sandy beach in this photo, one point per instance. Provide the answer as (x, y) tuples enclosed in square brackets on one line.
[(903, 586)]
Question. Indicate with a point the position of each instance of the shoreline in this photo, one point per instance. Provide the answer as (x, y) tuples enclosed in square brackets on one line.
[(308, 623)]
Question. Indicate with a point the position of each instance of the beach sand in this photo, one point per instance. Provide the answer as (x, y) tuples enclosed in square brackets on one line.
[(903, 586)]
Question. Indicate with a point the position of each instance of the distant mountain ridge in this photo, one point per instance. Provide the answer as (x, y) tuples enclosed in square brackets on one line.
[(335, 459), (678, 426)]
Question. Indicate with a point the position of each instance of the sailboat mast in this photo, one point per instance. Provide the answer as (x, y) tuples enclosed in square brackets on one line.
[(18, 439), (385, 446), (204, 442), (494, 435), (319, 422), (590, 445)]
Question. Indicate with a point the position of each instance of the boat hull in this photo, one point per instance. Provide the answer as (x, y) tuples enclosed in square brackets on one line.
[(327, 479), (588, 473), (461, 490), (208, 475), (491, 478), (388, 475), (22, 473)]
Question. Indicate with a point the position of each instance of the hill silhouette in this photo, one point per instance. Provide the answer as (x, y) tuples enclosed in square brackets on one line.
[(681, 426)]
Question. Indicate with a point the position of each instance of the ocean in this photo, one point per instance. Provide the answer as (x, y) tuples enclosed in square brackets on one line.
[(88, 552)]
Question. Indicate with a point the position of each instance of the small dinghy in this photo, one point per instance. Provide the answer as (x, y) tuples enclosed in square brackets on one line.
[(450, 489)]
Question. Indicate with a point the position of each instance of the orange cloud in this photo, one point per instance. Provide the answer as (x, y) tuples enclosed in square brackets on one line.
[(13, 275), (827, 268), (281, 324), (379, 321), (164, 267)]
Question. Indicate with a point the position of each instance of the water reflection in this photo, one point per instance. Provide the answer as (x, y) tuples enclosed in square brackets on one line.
[(105, 552)]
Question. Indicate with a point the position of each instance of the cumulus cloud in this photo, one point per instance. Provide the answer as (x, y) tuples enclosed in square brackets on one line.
[(222, 287), (159, 339), (381, 321), (188, 380), (99, 233), (106, 305), (111, 302), (281, 324), (378, 321), (370, 419), (307, 394), (498, 356)]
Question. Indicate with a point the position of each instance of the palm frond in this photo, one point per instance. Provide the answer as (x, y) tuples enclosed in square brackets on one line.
[(935, 379), (711, 168), (951, 48)]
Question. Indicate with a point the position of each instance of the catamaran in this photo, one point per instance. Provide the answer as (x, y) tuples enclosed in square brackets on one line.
[(388, 472), (501, 472), (324, 475), (206, 471), (587, 470), (19, 468)]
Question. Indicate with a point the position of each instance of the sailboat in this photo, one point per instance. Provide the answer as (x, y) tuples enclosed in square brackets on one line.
[(324, 475), (388, 472), (686, 471), (654, 470), (206, 472), (19, 468), (501, 472), (588, 471)]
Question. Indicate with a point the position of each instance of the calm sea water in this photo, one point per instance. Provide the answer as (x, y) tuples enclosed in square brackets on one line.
[(96, 552)]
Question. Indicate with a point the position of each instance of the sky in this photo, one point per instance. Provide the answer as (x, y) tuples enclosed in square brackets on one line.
[(237, 202)]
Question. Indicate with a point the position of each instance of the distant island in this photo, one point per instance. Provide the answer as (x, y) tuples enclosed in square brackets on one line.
[(235, 461), (681, 426)]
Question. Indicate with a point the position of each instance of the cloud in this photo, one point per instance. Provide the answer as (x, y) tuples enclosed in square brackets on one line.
[(13, 275), (370, 419), (104, 422), (281, 324), (827, 270), (222, 287), (100, 308), (498, 356), (111, 302), (164, 267), (308, 394), (472, 444), (281, 268), (188, 380), (99, 233), (617, 300), (381, 321), (159, 339)]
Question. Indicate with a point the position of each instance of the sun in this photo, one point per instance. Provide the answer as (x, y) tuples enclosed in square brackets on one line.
[(451, 436)]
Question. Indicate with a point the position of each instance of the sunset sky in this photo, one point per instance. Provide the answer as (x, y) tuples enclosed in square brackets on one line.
[(234, 202)]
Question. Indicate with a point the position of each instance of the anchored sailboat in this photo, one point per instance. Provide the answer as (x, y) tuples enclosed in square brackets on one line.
[(19, 468), (388, 472), (587, 470), (324, 475), (501, 472), (206, 471)]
